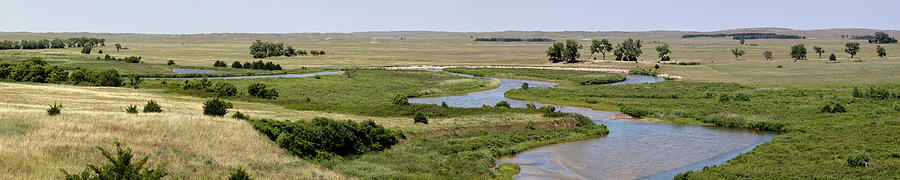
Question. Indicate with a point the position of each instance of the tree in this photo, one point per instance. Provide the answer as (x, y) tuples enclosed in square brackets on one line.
[(570, 52), (882, 38), (100, 51), (118, 46), (663, 52), (737, 52), (554, 52), (798, 52), (170, 63), (605, 46), (881, 51), (628, 50), (86, 50), (290, 51), (121, 165), (852, 48), (768, 55), (743, 42), (600, 46), (819, 50), (237, 64)]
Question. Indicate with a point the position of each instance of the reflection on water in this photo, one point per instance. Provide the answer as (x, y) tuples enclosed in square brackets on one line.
[(632, 150)]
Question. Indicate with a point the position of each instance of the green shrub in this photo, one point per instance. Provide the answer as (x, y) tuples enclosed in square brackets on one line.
[(120, 165), (503, 104), (530, 106), (223, 89), (239, 174), (507, 169), (420, 118), (832, 57), (152, 106), (54, 110), (643, 72), (635, 112), (239, 115), (131, 109), (524, 86), (216, 107), (323, 138), (260, 91), (858, 159), (170, 63), (109, 78), (237, 65), (444, 104), (833, 108), (400, 99), (220, 64)]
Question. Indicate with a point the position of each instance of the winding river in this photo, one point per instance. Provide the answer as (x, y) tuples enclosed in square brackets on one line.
[(632, 150)]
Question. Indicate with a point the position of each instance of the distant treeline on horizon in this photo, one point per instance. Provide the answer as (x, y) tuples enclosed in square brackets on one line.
[(747, 36), (516, 39)]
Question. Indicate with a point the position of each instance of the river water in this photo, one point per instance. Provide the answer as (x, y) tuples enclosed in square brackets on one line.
[(632, 150)]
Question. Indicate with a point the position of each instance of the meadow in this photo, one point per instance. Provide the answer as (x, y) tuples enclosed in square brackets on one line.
[(716, 88)]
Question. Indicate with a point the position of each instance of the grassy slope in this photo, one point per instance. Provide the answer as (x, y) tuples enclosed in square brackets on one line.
[(36, 146), (815, 141)]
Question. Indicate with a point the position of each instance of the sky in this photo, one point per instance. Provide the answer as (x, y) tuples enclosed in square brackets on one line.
[(297, 16)]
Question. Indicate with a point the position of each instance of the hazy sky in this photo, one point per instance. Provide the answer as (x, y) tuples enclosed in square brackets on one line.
[(283, 16)]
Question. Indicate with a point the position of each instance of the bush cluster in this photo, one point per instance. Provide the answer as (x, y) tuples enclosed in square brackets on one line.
[(55, 43), (129, 59), (221, 89), (874, 93), (323, 138), (247, 65), (261, 91), (645, 72), (220, 64), (36, 70), (261, 49)]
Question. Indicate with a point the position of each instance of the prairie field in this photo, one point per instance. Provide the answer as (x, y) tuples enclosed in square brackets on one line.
[(711, 87)]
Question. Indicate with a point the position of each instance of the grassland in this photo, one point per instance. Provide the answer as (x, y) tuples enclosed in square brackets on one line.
[(444, 48), (457, 140)]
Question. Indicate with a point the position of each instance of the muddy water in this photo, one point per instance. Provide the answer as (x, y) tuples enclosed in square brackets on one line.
[(632, 150)]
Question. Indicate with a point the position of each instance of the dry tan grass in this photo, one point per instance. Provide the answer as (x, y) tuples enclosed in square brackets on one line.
[(34, 145)]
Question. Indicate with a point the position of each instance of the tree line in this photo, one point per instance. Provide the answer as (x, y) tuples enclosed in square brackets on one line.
[(35, 69), (878, 38), (129, 59), (52, 44), (494, 39), (746, 36), (628, 50), (799, 51), (248, 65), (261, 49)]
